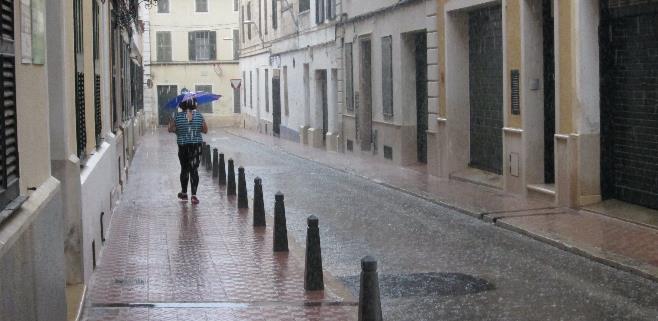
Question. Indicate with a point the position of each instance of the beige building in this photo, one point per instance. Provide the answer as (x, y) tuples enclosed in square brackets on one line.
[(72, 114), (192, 46)]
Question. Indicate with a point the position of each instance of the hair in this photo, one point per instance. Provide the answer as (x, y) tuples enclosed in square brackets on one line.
[(188, 104)]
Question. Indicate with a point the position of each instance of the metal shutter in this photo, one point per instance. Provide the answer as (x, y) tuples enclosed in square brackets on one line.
[(9, 169)]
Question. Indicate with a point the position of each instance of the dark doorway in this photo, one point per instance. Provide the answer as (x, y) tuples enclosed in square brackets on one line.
[(165, 93), (486, 89), (421, 95), (237, 99), (629, 122), (321, 77), (276, 105), (549, 92), (364, 101)]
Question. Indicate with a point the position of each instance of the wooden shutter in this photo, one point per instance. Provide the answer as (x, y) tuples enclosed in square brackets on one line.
[(387, 76), (349, 78), (191, 42), (9, 165), (213, 45)]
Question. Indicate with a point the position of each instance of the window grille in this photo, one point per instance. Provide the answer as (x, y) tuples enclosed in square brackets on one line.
[(81, 130), (275, 12), (202, 45), (207, 107), (163, 39)]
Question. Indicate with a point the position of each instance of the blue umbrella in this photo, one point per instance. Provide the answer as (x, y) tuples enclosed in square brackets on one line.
[(201, 97)]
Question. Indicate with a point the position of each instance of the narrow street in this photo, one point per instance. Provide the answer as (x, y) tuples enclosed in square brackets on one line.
[(165, 260)]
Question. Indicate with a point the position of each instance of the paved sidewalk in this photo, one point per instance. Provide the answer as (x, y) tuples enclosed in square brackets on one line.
[(615, 242), (166, 260)]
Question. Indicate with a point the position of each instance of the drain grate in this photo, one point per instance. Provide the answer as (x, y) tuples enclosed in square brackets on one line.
[(425, 284), (129, 282)]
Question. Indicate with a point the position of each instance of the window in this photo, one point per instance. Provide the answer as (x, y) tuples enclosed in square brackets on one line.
[(275, 14), (249, 19), (163, 6), (331, 9), (244, 88), (251, 89), (235, 5), (319, 11), (207, 107), (387, 76), (78, 44), (236, 44), (349, 78), (285, 90), (265, 16), (201, 5), (8, 133), (202, 45), (163, 40), (260, 17), (267, 90), (304, 5), (98, 124), (236, 96), (242, 23)]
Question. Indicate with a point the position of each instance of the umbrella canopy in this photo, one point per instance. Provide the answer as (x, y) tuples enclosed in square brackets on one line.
[(201, 97)]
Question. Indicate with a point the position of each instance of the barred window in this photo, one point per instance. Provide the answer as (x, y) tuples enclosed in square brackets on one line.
[(78, 44), (202, 45), (163, 40)]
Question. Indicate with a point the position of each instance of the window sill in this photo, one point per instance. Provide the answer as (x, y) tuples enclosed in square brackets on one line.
[(12, 207)]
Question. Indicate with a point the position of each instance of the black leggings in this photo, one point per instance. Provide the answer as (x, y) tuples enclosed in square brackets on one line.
[(189, 156)]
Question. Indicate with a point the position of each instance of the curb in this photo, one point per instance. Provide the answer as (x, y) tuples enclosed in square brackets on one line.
[(480, 216)]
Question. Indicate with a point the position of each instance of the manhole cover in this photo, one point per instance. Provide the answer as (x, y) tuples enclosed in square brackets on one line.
[(425, 284)]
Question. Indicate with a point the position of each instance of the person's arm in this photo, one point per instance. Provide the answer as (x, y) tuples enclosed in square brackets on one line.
[(204, 127), (172, 126)]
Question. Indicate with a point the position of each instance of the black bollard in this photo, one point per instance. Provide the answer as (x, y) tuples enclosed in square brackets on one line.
[(203, 154), (370, 306), (207, 157), (280, 230), (222, 170), (259, 205), (243, 202), (215, 163), (230, 189), (313, 280)]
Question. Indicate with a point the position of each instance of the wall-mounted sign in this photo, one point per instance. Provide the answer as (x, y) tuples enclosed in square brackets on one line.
[(236, 83), (26, 32), (38, 32), (275, 61)]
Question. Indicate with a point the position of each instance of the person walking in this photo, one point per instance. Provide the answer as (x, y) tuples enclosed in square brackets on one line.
[(188, 126)]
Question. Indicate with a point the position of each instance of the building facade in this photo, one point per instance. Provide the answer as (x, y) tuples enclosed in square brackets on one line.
[(193, 46), (526, 96), (74, 105)]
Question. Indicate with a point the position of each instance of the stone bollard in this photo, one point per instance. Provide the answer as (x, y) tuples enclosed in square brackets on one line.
[(243, 202), (215, 163), (230, 189), (259, 205), (222, 170), (370, 307), (203, 154), (208, 160), (313, 280), (280, 230)]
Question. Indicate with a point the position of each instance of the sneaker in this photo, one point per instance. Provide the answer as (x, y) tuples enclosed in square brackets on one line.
[(182, 197), (195, 200)]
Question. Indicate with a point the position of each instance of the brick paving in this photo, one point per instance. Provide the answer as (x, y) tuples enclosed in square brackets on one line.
[(615, 242), (167, 260)]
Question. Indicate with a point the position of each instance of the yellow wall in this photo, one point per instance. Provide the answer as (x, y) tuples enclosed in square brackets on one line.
[(32, 116), (512, 31), (89, 75), (565, 65)]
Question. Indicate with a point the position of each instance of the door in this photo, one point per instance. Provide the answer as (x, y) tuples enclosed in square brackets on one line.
[(549, 93), (323, 100), (165, 93), (629, 133), (276, 105), (486, 89), (421, 95), (365, 95)]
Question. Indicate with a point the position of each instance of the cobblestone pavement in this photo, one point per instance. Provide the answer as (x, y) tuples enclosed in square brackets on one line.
[(166, 260), (434, 262)]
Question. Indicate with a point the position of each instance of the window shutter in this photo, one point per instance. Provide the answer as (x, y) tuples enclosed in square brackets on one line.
[(213, 45), (387, 76), (192, 49), (8, 121)]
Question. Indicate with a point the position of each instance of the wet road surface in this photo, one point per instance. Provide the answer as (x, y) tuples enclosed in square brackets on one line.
[(434, 263)]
